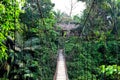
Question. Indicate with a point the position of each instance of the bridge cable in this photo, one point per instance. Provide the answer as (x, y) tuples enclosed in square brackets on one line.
[(86, 62), (87, 17)]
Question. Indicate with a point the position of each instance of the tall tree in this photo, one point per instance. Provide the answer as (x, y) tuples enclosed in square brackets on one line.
[(35, 12)]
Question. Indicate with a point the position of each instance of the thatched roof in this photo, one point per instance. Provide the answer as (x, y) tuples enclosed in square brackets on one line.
[(68, 26)]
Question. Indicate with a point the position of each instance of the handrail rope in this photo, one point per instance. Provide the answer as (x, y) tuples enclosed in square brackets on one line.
[(84, 28), (55, 76), (65, 37), (41, 14), (65, 65), (87, 17)]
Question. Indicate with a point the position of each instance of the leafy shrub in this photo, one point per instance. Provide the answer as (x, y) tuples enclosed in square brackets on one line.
[(84, 57), (110, 72)]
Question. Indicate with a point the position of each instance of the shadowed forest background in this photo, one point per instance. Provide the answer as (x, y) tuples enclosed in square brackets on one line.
[(30, 36)]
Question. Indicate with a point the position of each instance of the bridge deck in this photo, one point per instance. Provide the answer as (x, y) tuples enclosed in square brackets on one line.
[(61, 71)]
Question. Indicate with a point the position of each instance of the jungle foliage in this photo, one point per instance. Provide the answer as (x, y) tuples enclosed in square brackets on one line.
[(30, 27), (95, 54)]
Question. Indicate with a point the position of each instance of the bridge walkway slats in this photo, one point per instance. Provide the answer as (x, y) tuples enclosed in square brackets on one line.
[(61, 70)]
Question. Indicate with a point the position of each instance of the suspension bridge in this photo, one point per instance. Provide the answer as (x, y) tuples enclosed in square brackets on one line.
[(61, 69)]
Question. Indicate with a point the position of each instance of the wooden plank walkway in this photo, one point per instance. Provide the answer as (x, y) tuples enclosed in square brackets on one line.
[(61, 70)]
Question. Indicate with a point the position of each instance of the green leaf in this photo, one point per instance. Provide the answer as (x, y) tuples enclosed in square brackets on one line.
[(2, 8)]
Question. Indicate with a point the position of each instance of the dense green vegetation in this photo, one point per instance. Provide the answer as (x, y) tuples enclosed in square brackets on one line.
[(35, 40), (29, 40), (85, 58), (95, 54), (9, 13)]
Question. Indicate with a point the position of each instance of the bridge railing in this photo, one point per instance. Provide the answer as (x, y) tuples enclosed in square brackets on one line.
[(60, 52)]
